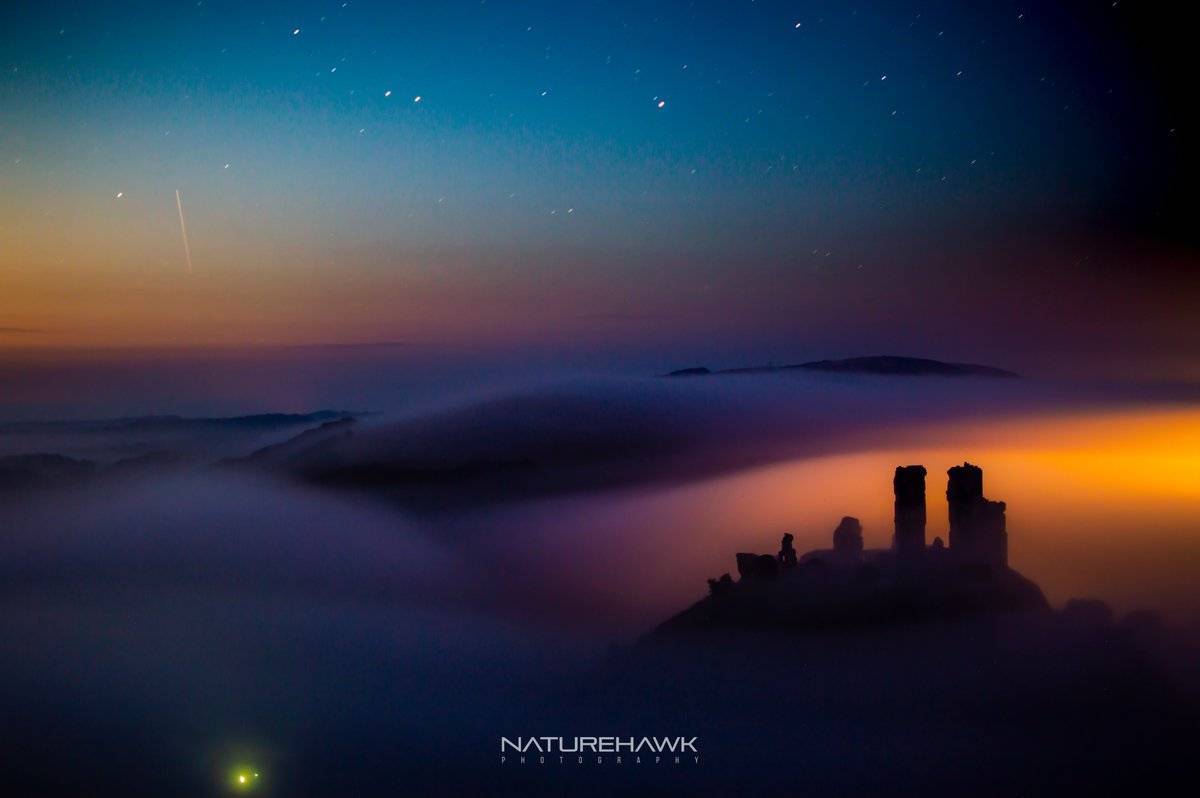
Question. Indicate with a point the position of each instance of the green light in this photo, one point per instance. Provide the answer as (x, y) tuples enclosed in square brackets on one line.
[(243, 779)]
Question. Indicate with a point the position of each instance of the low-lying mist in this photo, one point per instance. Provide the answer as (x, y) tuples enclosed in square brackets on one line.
[(159, 628), (425, 580)]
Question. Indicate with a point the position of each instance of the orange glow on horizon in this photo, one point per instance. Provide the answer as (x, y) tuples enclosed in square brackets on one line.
[(1103, 504)]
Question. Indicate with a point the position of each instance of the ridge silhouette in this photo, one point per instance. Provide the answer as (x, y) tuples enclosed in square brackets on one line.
[(879, 365)]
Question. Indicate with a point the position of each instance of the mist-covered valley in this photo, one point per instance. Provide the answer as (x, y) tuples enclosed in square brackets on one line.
[(209, 590)]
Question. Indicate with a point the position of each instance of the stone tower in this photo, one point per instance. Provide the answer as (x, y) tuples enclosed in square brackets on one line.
[(909, 487), (978, 534)]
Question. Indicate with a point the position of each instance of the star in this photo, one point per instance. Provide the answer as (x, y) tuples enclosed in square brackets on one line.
[(387, 93), (296, 32), (417, 99), (662, 103), (120, 194)]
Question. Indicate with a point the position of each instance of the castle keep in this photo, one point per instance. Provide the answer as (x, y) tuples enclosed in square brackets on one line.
[(909, 487), (977, 526)]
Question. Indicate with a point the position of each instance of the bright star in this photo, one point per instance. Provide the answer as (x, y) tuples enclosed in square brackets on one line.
[(296, 32)]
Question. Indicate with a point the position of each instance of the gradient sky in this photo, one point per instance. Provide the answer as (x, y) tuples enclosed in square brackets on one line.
[(1008, 182)]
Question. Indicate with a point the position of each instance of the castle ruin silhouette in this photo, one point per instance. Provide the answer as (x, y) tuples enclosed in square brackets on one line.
[(848, 584), (978, 530)]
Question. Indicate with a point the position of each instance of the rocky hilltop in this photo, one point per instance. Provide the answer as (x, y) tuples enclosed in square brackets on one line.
[(846, 586)]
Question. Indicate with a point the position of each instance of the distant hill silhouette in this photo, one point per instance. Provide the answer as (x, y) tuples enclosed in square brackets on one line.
[(157, 422), (889, 365), (25, 471), (295, 449), (46, 454)]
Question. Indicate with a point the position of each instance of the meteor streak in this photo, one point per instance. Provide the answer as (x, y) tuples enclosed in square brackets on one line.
[(187, 252)]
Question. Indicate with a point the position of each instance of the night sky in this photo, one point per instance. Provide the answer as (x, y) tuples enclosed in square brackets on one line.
[(478, 236), (1003, 182)]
